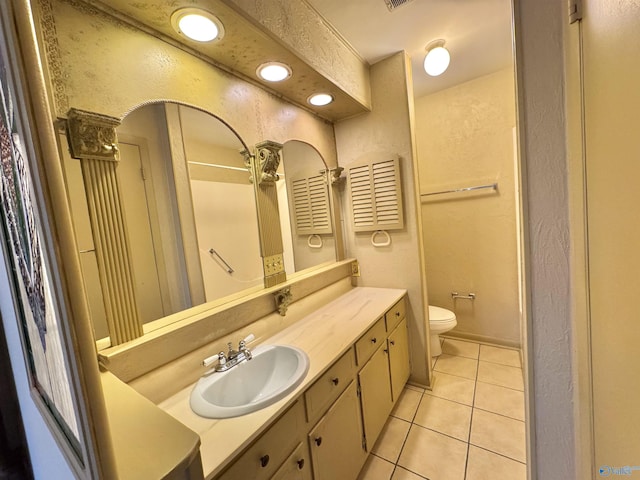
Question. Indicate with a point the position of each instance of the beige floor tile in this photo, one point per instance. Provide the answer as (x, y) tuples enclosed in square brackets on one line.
[(444, 416), (485, 465), (502, 400), (407, 405), (452, 387), (502, 375), (460, 366), (391, 439), (376, 469), (504, 356), (414, 388), (498, 434), (433, 455), (402, 474), (460, 348)]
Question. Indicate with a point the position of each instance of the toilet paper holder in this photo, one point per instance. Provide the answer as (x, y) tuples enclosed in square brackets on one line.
[(471, 296)]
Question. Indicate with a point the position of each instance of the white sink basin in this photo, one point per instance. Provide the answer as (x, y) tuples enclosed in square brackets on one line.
[(272, 373)]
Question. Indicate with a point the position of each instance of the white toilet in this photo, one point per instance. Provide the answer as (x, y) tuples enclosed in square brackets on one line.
[(441, 320)]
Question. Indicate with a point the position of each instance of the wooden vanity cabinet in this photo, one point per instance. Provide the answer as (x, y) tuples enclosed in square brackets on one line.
[(328, 431), (335, 442), (383, 377), (268, 453)]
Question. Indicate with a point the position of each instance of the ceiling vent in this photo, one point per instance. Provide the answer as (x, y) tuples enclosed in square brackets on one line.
[(393, 4)]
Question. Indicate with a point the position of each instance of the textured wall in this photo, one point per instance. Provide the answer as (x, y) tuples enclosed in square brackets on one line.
[(99, 64), (464, 136), (385, 132), (549, 336)]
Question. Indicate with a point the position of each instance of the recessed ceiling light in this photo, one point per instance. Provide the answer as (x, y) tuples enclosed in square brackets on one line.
[(320, 99), (437, 59), (274, 71), (197, 24)]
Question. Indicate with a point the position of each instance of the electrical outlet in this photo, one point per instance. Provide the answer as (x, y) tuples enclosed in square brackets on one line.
[(273, 264), (355, 269)]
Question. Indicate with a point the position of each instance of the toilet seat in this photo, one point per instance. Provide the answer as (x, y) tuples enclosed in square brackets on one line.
[(440, 315)]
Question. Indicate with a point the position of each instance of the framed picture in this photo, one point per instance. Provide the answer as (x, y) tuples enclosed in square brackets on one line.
[(36, 275)]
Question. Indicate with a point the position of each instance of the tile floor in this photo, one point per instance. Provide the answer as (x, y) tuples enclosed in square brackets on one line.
[(469, 427)]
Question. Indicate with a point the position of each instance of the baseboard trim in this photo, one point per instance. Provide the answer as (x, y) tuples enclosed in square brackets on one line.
[(485, 339)]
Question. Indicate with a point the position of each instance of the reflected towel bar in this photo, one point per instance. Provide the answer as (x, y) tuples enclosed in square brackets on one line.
[(228, 267), (493, 186)]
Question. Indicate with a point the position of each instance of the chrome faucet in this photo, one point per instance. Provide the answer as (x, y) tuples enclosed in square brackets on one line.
[(232, 357)]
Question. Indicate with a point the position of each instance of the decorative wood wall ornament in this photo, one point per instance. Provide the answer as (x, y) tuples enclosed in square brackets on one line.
[(92, 140), (336, 178), (92, 136), (283, 300), (268, 155)]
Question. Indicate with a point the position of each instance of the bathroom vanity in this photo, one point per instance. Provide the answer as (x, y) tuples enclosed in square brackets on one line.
[(359, 363)]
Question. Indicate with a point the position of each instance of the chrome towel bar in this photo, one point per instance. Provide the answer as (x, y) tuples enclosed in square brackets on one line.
[(471, 296), (493, 186)]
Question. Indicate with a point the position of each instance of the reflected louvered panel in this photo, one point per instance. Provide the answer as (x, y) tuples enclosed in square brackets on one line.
[(376, 196), (311, 206)]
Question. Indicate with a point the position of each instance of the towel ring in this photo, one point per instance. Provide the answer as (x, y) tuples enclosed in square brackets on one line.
[(313, 237), (385, 243)]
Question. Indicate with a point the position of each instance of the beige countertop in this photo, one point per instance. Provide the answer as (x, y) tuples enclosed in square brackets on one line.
[(324, 335)]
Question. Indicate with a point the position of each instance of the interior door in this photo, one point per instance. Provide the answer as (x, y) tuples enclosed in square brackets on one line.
[(611, 75)]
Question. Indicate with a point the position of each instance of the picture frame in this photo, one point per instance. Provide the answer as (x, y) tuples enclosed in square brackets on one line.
[(57, 341)]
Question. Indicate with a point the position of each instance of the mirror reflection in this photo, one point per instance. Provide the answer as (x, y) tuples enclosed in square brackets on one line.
[(189, 209), (305, 209)]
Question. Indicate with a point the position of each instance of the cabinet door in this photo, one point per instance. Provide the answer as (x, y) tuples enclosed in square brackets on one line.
[(297, 466), (265, 456), (399, 359), (336, 441), (375, 395)]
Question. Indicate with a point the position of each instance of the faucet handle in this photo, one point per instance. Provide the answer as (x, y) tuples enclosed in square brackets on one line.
[(249, 338), (220, 357)]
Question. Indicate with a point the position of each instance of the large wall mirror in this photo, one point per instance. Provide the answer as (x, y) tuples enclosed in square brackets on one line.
[(191, 214), (189, 209)]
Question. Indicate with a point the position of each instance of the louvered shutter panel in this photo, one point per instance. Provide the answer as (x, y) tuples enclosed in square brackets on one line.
[(311, 206), (376, 196)]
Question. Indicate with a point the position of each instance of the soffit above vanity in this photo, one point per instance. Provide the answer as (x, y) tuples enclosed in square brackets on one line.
[(248, 43)]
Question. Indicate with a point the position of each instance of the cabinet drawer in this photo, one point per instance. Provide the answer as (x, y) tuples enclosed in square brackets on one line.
[(370, 341), (297, 466), (395, 314), (262, 459), (329, 386)]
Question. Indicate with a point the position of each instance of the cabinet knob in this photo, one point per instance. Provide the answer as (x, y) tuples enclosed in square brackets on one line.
[(386, 350), (264, 460), (300, 464), (318, 441), (397, 314), (374, 340), (392, 342), (335, 381)]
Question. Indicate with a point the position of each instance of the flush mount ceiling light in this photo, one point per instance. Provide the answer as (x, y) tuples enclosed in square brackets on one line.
[(437, 59), (320, 99), (274, 71), (197, 24)]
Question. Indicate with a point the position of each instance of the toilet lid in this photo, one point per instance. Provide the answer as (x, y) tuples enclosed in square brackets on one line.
[(438, 314)]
